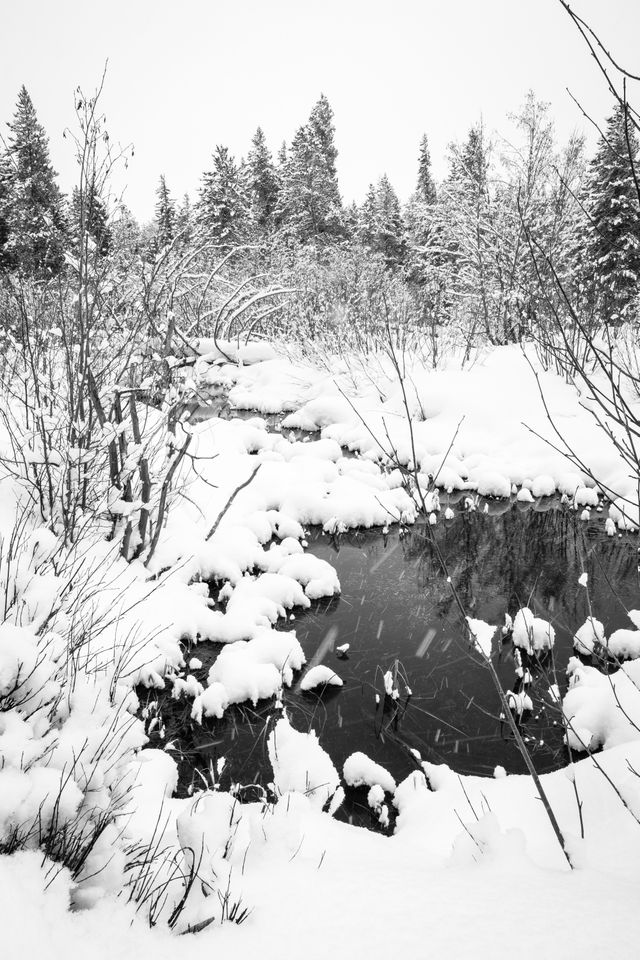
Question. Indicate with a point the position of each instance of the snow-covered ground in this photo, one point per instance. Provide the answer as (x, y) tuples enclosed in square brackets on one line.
[(473, 866)]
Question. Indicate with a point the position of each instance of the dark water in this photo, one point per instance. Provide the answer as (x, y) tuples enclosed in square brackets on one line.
[(397, 613)]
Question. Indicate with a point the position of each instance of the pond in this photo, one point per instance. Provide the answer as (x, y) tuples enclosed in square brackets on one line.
[(397, 613)]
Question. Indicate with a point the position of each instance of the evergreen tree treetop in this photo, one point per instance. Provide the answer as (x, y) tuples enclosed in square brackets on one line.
[(426, 188), (262, 181), (470, 160), (322, 133), (311, 206), (165, 214), (89, 218), (381, 225), (223, 204), (34, 207), (613, 206), (5, 182)]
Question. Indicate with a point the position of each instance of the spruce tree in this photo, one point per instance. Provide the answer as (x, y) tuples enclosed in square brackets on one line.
[(184, 225), (89, 218), (5, 179), (282, 156), (367, 220), (222, 208), (466, 207), (311, 201), (613, 207), (262, 183), (391, 241), (469, 162), (381, 227), (35, 206), (126, 235), (426, 188), (351, 220), (466, 234), (421, 220), (165, 215), (322, 134)]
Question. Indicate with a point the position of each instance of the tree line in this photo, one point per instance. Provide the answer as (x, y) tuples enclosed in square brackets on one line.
[(474, 249)]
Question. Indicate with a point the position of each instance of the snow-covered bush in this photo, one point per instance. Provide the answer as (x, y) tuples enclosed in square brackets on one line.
[(67, 732)]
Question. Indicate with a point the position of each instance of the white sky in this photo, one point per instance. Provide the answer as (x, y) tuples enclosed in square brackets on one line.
[(186, 75)]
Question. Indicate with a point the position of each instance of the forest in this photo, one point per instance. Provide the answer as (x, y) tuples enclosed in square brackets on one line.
[(480, 256)]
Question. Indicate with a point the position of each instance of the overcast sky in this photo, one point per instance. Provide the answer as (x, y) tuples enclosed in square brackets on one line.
[(186, 75)]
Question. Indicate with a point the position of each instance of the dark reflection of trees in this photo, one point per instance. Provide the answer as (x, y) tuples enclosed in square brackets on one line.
[(522, 557), (498, 561)]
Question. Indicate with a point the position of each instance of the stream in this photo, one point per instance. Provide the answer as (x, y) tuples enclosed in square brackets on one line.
[(397, 614)]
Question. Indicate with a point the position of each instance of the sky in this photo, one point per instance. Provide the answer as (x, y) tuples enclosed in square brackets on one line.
[(185, 76)]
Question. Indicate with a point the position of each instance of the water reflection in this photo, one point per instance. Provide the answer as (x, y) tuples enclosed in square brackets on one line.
[(397, 613)]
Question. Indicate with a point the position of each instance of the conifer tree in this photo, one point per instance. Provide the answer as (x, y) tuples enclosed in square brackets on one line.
[(89, 218), (391, 242), (367, 225), (613, 207), (311, 201), (222, 208), (34, 208), (126, 235), (466, 234), (381, 226), (4, 210), (322, 135), (421, 220), (426, 188), (351, 220), (262, 183), (184, 224), (165, 214), (469, 162), (465, 211), (282, 156)]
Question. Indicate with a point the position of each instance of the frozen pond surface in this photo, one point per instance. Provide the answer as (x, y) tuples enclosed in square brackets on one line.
[(396, 612)]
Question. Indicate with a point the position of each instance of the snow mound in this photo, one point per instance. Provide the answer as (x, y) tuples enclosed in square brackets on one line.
[(482, 635), (531, 633), (602, 710), (300, 765), (360, 771), (588, 635), (624, 644), (318, 676)]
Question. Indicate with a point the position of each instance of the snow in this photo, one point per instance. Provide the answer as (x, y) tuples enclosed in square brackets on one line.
[(316, 576), (543, 486), (300, 765), (519, 702), (360, 406), (375, 798), (319, 676), (482, 635), (532, 633), (250, 670), (457, 840), (624, 644), (359, 770), (602, 710), (588, 635)]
